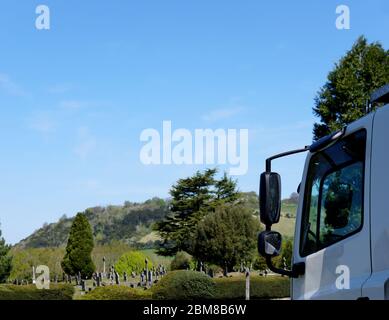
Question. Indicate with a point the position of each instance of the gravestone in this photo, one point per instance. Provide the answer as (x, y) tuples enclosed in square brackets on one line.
[(142, 278), (146, 271), (117, 279), (33, 275), (83, 286), (79, 279), (247, 283), (150, 278)]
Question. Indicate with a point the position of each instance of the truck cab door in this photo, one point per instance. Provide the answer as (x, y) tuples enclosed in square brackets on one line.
[(332, 234)]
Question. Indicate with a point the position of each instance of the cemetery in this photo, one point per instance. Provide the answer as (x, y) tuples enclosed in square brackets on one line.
[(204, 265), (156, 283)]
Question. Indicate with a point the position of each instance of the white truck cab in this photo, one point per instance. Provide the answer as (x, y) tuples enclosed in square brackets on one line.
[(341, 241)]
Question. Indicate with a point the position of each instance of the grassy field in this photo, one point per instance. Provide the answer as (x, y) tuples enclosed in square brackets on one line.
[(290, 208), (285, 227), (156, 259), (287, 224)]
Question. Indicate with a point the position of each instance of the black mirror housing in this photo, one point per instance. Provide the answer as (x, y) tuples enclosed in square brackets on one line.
[(269, 243), (270, 198)]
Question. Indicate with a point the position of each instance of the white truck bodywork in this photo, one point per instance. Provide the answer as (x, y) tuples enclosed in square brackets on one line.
[(365, 253)]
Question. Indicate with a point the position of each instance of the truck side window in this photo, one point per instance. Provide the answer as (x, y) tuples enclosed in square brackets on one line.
[(333, 199)]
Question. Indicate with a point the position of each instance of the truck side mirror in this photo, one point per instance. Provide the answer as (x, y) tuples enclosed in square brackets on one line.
[(270, 198), (269, 243)]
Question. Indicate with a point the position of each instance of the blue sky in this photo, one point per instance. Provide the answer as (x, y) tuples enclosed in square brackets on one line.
[(74, 99)]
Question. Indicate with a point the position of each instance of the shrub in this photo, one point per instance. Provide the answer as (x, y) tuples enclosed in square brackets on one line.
[(260, 287), (30, 292), (184, 285), (182, 261), (260, 263), (117, 293), (214, 269), (226, 236), (24, 259), (286, 255), (132, 261)]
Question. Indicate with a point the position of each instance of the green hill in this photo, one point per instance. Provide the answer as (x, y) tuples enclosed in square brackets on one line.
[(131, 223), (288, 213)]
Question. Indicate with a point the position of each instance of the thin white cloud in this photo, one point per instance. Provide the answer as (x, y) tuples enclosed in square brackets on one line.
[(42, 123), (73, 104), (86, 143), (82, 104), (60, 88), (220, 114), (10, 87)]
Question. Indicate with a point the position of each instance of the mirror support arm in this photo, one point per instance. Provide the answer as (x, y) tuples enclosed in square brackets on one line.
[(298, 269), (284, 154)]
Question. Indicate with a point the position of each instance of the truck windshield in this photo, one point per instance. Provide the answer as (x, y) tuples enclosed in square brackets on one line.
[(333, 199)]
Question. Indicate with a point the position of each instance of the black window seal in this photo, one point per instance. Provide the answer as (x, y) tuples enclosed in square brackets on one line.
[(317, 247)]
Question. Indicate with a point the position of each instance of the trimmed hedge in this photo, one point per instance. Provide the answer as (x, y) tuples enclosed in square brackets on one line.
[(184, 285), (260, 287), (30, 292), (117, 293)]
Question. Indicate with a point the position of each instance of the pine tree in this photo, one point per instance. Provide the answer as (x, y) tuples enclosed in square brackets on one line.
[(226, 190), (5, 260), (192, 199), (343, 98), (79, 248)]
